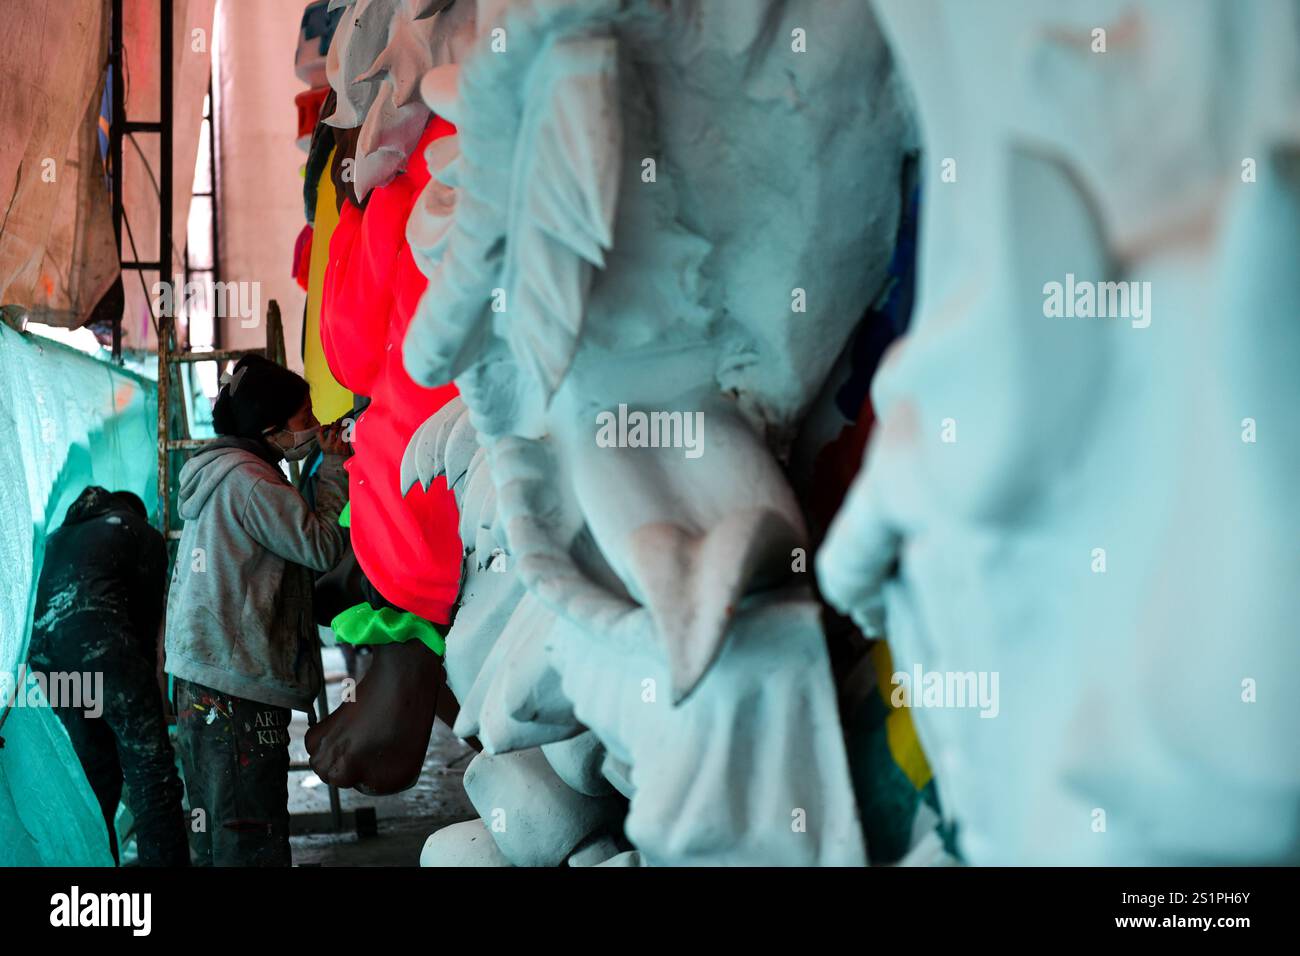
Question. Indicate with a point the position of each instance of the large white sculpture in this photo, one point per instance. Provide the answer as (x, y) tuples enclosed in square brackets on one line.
[(678, 210), (1098, 509), (1078, 493)]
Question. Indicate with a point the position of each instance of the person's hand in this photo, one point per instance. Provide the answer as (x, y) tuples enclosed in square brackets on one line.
[(332, 442)]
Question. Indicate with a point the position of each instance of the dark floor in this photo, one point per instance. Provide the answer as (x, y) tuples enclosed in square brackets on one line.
[(404, 820)]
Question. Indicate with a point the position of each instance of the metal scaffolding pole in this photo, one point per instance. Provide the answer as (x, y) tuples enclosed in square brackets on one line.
[(121, 126)]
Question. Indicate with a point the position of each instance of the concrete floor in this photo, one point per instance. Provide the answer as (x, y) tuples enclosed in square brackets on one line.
[(405, 820)]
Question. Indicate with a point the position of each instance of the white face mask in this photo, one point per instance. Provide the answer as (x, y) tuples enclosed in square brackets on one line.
[(300, 444)]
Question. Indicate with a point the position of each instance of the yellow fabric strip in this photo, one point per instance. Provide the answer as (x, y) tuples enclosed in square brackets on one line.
[(900, 732), (330, 400)]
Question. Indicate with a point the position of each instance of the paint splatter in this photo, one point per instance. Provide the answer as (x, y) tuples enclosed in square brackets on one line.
[(60, 606)]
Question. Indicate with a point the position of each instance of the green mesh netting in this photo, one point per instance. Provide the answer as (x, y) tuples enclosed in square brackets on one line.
[(66, 421)]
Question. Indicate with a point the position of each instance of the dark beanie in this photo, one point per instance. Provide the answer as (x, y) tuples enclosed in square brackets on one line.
[(258, 395), (95, 501), (126, 501)]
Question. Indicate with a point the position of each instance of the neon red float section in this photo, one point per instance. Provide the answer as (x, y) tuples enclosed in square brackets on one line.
[(408, 547)]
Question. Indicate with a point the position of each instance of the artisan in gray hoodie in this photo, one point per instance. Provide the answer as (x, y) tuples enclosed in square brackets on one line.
[(239, 610)]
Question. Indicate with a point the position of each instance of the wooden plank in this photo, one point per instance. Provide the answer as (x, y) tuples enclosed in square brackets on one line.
[(223, 355)]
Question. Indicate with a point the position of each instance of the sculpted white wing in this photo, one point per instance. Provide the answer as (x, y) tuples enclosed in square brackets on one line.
[(537, 182), (381, 50)]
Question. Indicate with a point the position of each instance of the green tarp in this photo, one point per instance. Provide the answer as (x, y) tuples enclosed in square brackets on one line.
[(66, 421)]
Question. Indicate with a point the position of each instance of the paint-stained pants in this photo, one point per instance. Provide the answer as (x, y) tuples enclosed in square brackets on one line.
[(235, 754), (127, 742)]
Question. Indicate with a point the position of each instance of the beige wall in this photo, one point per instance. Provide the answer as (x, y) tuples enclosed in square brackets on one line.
[(261, 187)]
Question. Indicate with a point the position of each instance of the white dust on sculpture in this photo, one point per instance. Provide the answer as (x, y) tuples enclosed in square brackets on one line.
[(1098, 510), (539, 805), (679, 209)]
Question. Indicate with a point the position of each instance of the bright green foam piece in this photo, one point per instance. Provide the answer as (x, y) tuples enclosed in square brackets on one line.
[(363, 624)]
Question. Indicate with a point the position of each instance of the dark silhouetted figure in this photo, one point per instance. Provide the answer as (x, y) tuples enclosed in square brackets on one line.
[(99, 606)]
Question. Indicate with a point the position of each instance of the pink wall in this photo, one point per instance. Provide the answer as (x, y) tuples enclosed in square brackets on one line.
[(261, 188)]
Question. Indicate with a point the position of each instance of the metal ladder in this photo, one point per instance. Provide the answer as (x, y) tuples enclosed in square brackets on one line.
[(169, 357)]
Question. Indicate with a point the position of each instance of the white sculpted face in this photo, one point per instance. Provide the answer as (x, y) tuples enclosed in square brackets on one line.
[(1008, 520)]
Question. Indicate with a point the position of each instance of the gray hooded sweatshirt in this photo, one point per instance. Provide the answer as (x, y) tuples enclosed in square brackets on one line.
[(239, 617)]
